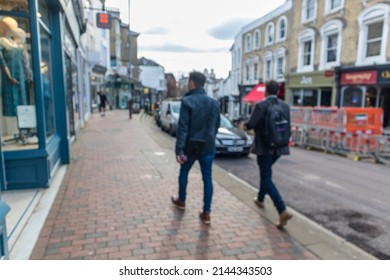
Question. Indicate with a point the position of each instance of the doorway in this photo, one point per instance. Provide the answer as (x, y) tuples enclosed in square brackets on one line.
[(385, 104)]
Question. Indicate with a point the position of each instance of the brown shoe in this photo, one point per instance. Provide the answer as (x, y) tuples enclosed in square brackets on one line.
[(178, 203), (283, 219), (259, 203), (205, 217)]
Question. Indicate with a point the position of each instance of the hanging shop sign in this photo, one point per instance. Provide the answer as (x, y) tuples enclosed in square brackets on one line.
[(103, 20)]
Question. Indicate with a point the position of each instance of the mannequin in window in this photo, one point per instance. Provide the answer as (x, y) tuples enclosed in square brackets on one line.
[(13, 88)]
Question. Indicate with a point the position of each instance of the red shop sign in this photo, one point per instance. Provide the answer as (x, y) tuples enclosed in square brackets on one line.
[(359, 78)]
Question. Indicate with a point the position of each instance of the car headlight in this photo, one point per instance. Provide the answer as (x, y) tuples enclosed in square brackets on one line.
[(249, 139)]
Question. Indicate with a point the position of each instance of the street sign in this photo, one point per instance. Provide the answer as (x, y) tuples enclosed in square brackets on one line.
[(103, 20)]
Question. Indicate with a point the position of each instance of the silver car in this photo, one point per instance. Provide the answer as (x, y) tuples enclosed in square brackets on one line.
[(232, 140)]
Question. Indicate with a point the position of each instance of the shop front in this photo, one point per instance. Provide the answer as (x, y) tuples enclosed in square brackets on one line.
[(365, 87), (310, 89), (37, 73)]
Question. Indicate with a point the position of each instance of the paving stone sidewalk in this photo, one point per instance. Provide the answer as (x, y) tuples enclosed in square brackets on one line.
[(114, 204)]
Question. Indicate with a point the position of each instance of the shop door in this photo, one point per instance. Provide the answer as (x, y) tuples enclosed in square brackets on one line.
[(385, 100), (69, 96)]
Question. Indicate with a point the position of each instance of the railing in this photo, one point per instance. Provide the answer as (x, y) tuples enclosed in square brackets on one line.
[(356, 132)]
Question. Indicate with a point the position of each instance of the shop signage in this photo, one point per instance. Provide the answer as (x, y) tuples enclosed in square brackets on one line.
[(384, 77), (306, 80), (359, 78), (103, 20)]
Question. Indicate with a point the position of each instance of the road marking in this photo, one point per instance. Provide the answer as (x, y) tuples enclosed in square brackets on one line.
[(378, 201), (334, 185)]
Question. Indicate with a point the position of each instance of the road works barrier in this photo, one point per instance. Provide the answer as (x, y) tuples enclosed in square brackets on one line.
[(355, 132)]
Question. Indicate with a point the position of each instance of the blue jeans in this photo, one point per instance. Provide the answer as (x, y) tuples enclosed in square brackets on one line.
[(206, 163), (265, 163)]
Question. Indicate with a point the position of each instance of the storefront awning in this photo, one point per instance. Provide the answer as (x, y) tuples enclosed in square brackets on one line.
[(257, 94)]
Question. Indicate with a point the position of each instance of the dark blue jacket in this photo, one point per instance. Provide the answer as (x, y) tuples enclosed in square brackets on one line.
[(199, 120)]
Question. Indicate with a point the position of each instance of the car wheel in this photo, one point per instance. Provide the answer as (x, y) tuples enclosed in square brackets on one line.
[(245, 155), (171, 130)]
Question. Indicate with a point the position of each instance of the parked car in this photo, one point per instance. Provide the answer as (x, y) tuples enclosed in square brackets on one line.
[(232, 140), (169, 115), (157, 116)]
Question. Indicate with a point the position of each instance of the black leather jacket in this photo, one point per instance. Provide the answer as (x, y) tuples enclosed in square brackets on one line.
[(256, 122), (199, 120)]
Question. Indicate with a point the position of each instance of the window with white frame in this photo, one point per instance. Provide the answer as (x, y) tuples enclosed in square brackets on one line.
[(309, 10), (255, 72), (280, 59), (256, 41), (248, 40), (332, 6), (269, 34), (247, 73), (373, 34), (281, 31), (267, 75), (306, 42), (331, 40)]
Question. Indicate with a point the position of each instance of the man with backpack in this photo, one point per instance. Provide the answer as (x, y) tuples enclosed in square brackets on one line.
[(270, 120)]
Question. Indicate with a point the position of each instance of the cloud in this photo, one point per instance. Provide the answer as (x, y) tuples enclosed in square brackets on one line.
[(156, 31), (228, 29), (168, 47)]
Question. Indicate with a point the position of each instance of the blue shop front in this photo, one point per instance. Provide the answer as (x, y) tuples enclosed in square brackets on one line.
[(38, 82)]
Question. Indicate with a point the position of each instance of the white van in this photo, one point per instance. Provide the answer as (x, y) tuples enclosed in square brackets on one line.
[(169, 115)]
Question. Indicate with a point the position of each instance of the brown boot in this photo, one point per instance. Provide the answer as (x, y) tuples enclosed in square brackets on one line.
[(283, 218), (258, 203), (178, 203), (205, 217)]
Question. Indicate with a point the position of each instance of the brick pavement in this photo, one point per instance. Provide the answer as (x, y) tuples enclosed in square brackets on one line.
[(114, 203)]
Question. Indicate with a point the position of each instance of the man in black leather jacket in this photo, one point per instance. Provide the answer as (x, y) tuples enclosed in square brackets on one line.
[(198, 126), (266, 157)]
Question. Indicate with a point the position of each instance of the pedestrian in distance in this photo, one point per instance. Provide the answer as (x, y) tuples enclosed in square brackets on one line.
[(102, 103), (198, 125), (130, 107), (270, 121)]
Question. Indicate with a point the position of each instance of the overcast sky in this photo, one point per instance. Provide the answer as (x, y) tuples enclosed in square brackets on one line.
[(183, 35)]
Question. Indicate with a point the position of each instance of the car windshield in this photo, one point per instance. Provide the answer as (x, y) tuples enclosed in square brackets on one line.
[(226, 123), (176, 107)]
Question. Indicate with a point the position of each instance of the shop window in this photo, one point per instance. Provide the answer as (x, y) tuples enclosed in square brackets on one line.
[(47, 84), (14, 6), (17, 106), (371, 97), (305, 97), (326, 97), (43, 11), (352, 97)]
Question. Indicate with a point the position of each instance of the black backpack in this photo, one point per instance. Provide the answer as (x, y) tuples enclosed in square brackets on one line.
[(277, 127)]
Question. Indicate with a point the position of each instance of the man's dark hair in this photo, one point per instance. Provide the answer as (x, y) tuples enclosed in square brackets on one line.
[(272, 87), (198, 78)]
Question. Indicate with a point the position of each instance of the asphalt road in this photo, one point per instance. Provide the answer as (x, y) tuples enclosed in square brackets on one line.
[(349, 198)]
